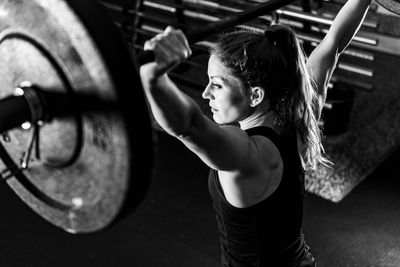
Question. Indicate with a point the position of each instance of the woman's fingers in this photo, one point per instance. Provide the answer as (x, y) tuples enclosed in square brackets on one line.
[(182, 38), (173, 41), (170, 48)]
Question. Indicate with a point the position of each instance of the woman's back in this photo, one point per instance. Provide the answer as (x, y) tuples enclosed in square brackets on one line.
[(269, 231)]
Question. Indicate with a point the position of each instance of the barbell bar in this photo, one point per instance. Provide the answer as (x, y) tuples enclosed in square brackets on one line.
[(218, 26)]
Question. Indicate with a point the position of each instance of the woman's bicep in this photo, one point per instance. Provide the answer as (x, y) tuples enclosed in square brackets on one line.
[(224, 148), (323, 59), (322, 63)]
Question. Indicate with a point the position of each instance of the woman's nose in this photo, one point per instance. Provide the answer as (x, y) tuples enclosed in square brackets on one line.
[(206, 93)]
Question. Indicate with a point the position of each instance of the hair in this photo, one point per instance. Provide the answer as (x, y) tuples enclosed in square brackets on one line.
[(275, 61)]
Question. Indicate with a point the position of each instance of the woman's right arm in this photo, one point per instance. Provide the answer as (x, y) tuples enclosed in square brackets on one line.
[(323, 59), (224, 148)]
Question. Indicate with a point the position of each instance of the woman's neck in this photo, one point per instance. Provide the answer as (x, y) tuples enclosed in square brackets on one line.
[(258, 119)]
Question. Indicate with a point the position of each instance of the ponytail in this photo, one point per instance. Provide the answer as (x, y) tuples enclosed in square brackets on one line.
[(299, 106)]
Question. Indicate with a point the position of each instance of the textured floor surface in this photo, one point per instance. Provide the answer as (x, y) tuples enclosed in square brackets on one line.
[(175, 226)]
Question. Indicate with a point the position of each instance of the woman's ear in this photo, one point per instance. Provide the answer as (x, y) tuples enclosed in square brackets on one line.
[(256, 96)]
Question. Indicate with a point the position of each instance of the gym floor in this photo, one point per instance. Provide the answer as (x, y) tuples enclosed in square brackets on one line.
[(175, 225)]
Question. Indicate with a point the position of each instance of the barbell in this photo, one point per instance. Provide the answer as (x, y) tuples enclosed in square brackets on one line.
[(83, 158)]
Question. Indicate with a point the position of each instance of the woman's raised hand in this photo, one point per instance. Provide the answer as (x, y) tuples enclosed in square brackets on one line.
[(170, 48)]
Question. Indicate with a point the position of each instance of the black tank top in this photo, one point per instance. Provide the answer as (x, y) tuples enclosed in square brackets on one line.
[(269, 232)]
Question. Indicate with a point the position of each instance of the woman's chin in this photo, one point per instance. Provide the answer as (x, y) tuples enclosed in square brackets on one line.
[(217, 119), (220, 121)]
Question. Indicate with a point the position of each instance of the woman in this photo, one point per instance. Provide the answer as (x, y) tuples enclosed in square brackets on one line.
[(261, 82)]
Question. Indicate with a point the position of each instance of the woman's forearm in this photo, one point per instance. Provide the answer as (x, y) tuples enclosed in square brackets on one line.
[(172, 109), (347, 22)]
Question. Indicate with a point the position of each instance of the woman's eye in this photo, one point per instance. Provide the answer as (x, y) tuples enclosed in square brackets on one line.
[(216, 85)]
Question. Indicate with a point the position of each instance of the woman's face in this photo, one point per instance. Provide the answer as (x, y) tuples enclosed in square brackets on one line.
[(229, 101)]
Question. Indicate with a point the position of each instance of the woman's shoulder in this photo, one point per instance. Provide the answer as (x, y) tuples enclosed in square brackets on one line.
[(269, 155), (250, 186)]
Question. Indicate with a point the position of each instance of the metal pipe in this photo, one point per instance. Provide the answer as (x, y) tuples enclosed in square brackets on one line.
[(214, 5), (316, 18), (162, 7)]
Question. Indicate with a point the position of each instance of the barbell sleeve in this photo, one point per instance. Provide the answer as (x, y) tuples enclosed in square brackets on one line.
[(14, 110), (17, 109)]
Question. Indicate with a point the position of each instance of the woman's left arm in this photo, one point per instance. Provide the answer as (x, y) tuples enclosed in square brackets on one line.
[(323, 59)]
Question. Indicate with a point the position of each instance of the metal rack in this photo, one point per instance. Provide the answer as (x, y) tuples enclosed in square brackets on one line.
[(140, 20)]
